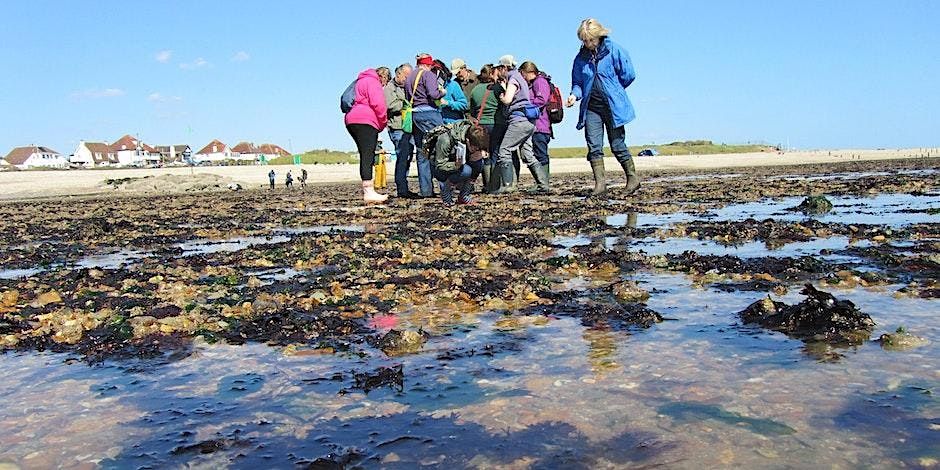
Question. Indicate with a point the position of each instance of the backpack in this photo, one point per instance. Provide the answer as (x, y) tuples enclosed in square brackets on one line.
[(555, 106), (448, 163), (348, 98)]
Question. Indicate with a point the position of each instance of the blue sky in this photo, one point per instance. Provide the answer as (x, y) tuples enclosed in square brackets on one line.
[(821, 74)]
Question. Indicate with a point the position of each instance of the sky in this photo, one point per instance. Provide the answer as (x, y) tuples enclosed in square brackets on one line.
[(805, 73)]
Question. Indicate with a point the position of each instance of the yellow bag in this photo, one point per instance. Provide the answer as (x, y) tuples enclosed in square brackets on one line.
[(381, 176)]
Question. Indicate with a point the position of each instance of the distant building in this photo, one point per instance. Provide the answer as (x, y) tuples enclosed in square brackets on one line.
[(267, 152), (35, 157), (179, 153), (93, 154), (132, 152), (214, 151), (247, 151)]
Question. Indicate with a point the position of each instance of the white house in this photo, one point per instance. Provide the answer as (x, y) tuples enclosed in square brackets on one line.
[(131, 151), (214, 151), (246, 151), (35, 157), (92, 154)]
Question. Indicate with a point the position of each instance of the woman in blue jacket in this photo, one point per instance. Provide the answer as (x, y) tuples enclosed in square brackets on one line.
[(601, 72), (454, 104)]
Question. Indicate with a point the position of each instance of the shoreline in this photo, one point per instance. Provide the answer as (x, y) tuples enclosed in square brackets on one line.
[(42, 184)]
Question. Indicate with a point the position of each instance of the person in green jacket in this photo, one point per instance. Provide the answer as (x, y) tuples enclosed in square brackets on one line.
[(457, 158), (485, 107)]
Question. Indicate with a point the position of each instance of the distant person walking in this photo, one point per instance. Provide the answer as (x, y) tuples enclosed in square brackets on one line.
[(422, 91), (401, 141), (519, 129), (289, 180), (540, 92), (271, 176), (599, 77), (303, 178), (364, 121)]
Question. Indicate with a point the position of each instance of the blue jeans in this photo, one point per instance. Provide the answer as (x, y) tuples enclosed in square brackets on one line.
[(468, 172), (424, 118), (404, 153), (594, 126), (540, 146)]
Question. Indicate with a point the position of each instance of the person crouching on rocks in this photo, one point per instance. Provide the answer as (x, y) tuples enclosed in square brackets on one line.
[(457, 151)]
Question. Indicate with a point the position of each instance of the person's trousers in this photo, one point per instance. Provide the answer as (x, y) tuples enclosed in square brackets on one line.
[(423, 121), (366, 138), (468, 172), (540, 142), (404, 153), (518, 137), (594, 126)]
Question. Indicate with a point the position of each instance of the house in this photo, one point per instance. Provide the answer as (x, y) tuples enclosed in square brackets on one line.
[(35, 157), (132, 152), (92, 154), (179, 153), (247, 151), (214, 151), (271, 151)]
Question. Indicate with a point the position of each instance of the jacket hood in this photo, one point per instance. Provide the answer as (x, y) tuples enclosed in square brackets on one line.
[(369, 73)]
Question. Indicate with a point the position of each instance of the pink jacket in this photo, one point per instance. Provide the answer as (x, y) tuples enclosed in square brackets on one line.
[(369, 107)]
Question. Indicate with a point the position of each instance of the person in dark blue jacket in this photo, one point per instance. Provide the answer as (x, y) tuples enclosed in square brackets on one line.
[(599, 77)]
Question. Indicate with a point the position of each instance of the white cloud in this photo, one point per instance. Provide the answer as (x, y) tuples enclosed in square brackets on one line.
[(163, 56), (241, 56), (159, 98), (99, 93), (196, 64)]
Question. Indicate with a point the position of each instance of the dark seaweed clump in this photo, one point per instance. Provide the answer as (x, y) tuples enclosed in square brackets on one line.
[(819, 317)]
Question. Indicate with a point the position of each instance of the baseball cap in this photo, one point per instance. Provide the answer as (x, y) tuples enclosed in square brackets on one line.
[(506, 61)]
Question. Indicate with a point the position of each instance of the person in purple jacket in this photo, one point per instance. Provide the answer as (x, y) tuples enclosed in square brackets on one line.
[(540, 92), (518, 137), (422, 91)]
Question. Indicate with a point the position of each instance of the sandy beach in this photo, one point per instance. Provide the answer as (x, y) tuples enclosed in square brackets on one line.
[(54, 183)]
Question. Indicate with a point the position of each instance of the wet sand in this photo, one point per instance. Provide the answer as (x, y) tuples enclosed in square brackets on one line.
[(37, 184)]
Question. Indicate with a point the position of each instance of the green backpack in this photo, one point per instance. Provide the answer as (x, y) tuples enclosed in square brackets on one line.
[(444, 163)]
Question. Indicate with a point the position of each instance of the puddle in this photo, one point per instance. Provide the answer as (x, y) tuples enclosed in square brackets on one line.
[(752, 249), (205, 247), (702, 386), (883, 209)]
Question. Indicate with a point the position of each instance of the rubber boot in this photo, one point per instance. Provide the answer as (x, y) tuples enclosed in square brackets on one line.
[(487, 169), (504, 174), (633, 182), (541, 178), (369, 195), (600, 179), (496, 180), (548, 172)]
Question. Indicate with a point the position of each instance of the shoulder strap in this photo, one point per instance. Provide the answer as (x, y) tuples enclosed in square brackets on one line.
[(415, 89), (486, 95)]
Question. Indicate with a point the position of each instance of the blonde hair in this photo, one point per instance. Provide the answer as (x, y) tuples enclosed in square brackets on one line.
[(592, 29), (383, 73)]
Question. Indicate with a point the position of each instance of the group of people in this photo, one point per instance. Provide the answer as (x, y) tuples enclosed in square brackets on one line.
[(461, 124), (289, 179)]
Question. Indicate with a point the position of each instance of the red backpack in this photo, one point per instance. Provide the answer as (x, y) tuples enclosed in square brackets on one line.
[(555, 106)]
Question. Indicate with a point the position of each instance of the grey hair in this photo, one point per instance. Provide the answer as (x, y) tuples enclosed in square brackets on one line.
[(402, 67)]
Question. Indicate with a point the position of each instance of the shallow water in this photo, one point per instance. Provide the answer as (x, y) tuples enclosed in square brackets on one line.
[(495, 390)]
